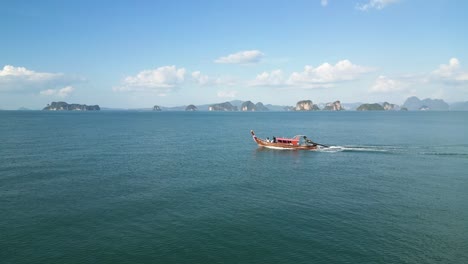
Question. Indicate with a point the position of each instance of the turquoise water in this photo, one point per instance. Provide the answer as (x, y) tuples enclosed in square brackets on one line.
[(177, 187)]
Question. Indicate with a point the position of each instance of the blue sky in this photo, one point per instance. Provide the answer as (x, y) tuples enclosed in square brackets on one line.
[(133, 54)]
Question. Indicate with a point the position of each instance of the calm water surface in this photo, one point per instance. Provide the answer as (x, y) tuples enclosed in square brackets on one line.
[(177, 187)]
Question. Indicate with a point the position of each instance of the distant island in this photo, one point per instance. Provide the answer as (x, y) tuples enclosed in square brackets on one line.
[(191, 108), (63, 106), (226, 107), (370, 107), (306, 105), (24, 109), (385, 106), (248, 106), (335, 106), (411, 104), (459, 106)]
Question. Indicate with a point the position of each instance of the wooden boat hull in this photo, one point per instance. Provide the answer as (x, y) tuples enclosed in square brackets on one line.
[(272, 145)]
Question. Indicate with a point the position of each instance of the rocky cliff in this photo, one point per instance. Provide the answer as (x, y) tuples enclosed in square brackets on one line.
[(260, 107), (390, 107), (157, 108), (335, 106), (306, 105), (248, 106), (226, 106), (63, 106), (191, 108), (424, 108)]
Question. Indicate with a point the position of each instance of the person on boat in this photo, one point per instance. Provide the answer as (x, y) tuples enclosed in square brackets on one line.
[(268, 140), (274, 139)]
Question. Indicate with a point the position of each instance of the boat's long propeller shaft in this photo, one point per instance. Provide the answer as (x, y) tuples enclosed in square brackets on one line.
[(315, 143)]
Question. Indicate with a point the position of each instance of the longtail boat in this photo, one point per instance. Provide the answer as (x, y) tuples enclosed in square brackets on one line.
[(299, 142)]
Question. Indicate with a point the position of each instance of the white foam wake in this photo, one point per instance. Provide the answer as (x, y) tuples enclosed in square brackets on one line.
[(353, 148)]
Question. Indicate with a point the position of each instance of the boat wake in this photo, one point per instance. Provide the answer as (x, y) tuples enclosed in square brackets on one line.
[(441, 151), (447, 154), (380, 149)]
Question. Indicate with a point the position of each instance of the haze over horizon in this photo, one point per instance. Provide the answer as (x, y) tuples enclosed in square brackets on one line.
[(126, 54)]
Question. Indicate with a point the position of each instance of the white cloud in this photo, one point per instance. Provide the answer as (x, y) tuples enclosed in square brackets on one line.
[(241, 57), (273, 78), (22, 79), (227, 94), (324, 2), (48, 92), (204, 80), (160, 80), (448, 70), (200, 78), (375, 4), (384, 84), (326, 73), (12, 72), (447, 75), (462, 77), (64, 92), (451, 72)]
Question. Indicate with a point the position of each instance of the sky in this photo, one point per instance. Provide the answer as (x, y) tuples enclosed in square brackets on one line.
[(137, 54)]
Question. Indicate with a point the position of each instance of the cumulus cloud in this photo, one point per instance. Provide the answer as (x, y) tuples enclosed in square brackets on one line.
[(451, 71), (242, 57), (22, 79), (48, 92), (64, 92), (205, 80), (450, 74), (463, 77), (384, 84), (160, 80), (375, 4), (12, 72), (325, 75), (448, 70), (324, 2), (227, 94), (200, 78), (273, 78)]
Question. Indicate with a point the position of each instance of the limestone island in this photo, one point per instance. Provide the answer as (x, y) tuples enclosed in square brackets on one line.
[(226, 106), (335, 106), (191, 108), (390, 107), (414, 103), (248, 106), (306, 105), (63, 106), (370, 107), (380, 107), (157, 108)]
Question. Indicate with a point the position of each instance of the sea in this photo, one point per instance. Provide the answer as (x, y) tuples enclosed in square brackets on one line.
[(193, 187)]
